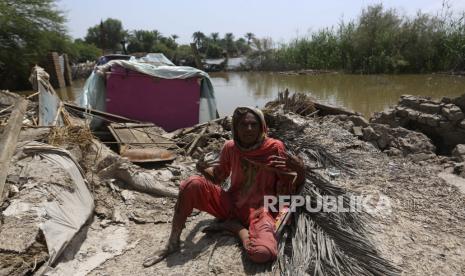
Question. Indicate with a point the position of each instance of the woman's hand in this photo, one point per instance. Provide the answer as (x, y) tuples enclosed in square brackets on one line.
[(207, 169), (288, 163)]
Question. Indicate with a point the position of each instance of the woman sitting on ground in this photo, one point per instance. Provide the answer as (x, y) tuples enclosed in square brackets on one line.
[(258, 166)]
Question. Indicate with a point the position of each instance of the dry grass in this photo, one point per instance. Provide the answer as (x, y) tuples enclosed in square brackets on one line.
[(69, 134), (297, 103), (77, 135)]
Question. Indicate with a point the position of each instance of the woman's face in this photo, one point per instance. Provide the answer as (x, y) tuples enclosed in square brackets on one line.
[(248, 130)]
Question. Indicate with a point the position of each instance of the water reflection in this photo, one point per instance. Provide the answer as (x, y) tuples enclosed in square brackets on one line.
[(362, 93), (71, 93), (68, 93)]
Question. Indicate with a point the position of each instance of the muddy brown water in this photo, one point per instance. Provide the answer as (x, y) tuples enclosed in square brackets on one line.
[(362, 93)]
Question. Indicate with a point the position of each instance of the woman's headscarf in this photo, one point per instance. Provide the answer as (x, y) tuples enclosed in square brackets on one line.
[(238, 114)]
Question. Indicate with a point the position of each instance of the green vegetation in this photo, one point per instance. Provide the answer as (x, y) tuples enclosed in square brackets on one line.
[(29, 29), (215, 47), (379, 41), (108, 35), (143, 41)]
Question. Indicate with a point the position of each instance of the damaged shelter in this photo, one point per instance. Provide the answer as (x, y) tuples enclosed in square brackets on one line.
[(72, 205), (151, 89)]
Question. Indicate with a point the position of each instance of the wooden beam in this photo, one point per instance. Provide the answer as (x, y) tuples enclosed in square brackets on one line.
[(9, 139), (100, 113), (196, 140)]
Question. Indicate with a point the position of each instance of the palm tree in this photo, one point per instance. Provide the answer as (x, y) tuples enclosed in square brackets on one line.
[(157, 35), (229, 41), (198, 38), (229, 36), (215, 36), (249, 37)]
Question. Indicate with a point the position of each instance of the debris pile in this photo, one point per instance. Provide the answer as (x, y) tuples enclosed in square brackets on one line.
[(392, 140), (442, 121), (203, 138), (73, 206), (7, 102), (48, 202), (395, 141)]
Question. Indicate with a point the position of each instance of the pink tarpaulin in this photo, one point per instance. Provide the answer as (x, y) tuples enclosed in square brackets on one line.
[(170, 104)]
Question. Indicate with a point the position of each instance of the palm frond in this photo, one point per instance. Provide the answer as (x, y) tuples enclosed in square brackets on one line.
[(322, 243)]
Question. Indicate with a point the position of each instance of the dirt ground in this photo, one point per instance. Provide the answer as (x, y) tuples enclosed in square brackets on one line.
[(423, 231), (423, 234)]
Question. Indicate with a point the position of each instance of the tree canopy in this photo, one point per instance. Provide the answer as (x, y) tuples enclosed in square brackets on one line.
[(28, 30), (107, 35)]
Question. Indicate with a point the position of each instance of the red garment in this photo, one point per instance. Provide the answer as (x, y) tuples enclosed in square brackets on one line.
[(197, 192), (251, 180)]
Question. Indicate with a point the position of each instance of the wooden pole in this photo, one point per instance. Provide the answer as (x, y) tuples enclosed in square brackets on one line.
[(196, 140), (99, 113), (9, 139)]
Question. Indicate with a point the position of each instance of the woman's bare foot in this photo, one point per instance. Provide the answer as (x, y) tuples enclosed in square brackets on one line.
[(160, 255)]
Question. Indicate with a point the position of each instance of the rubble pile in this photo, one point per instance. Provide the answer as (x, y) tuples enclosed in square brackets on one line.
[(442, 121), (129, 215), (395, 141), (7, 101), (203, 138), (48, 202)]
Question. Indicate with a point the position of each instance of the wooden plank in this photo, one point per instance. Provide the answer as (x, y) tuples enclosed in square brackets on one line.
[(133, 134), (141, 143), (9, 139), (67, 73), (132, 125)]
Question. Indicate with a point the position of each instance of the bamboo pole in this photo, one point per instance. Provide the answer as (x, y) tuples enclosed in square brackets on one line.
[(9, 139)]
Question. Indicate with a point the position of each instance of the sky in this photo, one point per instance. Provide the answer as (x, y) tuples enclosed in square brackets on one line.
[(282, 20)]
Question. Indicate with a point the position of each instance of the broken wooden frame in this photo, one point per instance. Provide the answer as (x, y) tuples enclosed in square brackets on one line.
[(142, 142)]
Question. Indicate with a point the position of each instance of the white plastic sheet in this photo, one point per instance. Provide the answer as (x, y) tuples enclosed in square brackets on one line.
[(68, 206)]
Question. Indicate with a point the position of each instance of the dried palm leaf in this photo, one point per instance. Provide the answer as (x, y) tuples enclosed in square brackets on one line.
[(324, 243)]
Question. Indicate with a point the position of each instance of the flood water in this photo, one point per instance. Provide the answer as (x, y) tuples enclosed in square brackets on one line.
[(363, 93)]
